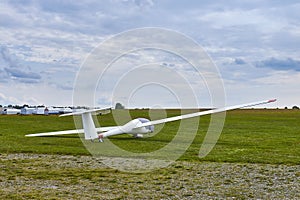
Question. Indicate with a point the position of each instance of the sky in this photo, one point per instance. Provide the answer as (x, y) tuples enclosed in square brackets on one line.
[(254, 44)]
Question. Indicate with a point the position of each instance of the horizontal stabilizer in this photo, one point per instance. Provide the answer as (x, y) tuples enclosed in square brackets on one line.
[(75, 131), (99, 110), (56, 133)]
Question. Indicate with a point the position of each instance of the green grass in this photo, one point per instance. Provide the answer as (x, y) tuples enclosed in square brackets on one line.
[(249, 136), (259, 136), (13, 129)]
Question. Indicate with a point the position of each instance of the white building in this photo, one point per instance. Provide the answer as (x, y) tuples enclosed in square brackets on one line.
[(40, 110), (27, 110), (67, 110), (54, 110), (11, 111)]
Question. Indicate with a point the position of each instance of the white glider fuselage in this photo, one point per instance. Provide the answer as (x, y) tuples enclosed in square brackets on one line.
[(132, 127)]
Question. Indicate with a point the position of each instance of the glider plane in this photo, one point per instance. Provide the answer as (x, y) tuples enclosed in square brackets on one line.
[(136, 127)]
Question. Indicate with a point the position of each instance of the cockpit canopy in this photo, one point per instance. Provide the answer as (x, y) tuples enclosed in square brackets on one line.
[(150, 127)]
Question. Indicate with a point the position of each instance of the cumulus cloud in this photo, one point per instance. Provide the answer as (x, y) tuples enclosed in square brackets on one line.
[(15, 70), (5, 99), (62, 86), (239, 61), (55, 36), (3, 76), (280, 64), (5, 56), (16, 73), (144, 3)]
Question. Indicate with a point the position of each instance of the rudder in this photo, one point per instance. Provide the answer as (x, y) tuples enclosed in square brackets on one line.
[(90, 131)]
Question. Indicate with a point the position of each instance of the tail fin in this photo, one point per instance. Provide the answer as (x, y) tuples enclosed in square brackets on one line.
[(90, 131)]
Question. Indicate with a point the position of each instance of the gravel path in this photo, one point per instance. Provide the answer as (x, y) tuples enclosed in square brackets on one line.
[(31, 176)]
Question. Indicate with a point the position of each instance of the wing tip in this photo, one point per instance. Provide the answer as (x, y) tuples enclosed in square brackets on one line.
[(272, 100), (29, 135)]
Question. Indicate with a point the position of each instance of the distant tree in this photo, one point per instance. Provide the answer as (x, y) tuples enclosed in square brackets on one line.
[(296, 107), (119, 106), (17, 106), (285, 107)]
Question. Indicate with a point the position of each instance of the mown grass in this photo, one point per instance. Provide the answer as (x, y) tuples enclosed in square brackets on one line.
[(36, 176), (13, 129), (259, 136), (248, 136)]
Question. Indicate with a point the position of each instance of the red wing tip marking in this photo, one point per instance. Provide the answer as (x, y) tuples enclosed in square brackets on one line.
[(272, 100)]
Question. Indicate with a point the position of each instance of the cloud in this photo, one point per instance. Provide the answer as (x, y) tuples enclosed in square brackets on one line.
[(2, 97), (280, 64), (3, 76), (6, 99), (44, 42), (144, 3), (7, 57), (62, 86), (16, 73), (239, 61), (15, 70)]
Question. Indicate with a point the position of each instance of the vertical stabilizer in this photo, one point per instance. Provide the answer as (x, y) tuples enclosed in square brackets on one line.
[(90, 131)]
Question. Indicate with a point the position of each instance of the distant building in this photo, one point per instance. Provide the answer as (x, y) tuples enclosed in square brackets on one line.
[(59, 110), (11, 111), (40, 110), (67, 110), (27, 110), (53, 111)]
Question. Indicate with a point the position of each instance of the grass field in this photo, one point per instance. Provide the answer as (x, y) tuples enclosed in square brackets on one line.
[(256, 157), (249, 136)]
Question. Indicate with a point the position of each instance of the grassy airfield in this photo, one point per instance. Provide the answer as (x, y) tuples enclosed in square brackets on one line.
[(249, 136), (266, 142)]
